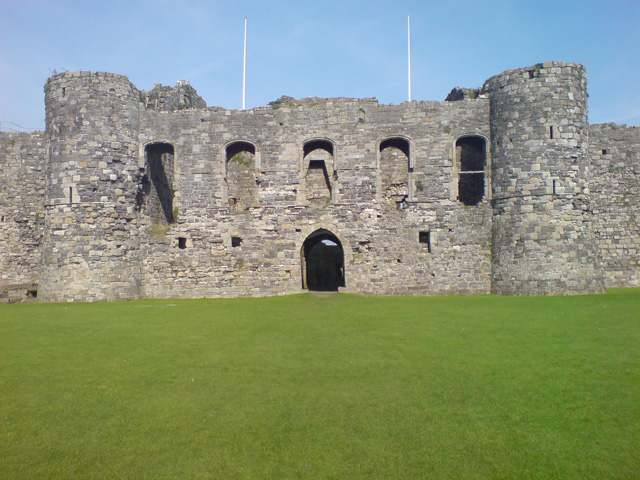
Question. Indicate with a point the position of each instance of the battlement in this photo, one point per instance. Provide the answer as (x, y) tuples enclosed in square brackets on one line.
[(155, 194)]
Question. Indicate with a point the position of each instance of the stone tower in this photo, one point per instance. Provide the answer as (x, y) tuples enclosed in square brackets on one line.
[(542, 241), (91, 247)]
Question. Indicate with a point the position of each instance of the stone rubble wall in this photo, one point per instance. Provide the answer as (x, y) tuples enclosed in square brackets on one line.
[(167, 99), (615, 199), (22, 200)]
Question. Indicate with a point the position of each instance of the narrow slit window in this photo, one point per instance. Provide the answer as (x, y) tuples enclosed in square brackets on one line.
[(551, 132), (70, 195)]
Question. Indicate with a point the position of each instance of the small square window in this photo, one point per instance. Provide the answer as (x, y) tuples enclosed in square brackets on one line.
[(182, 243), (236, 241), (425, 238)]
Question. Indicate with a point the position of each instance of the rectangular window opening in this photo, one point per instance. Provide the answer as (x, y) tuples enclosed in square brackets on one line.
[(425, 238), (470, 188), (70, 195), (605, 151), (236, 241), (182, 243), (551, 132)]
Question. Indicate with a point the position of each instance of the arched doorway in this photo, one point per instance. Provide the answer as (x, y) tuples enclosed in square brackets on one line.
[(322, 262)]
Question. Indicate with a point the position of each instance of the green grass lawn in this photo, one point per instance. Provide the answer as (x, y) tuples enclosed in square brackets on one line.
[(308, 387)]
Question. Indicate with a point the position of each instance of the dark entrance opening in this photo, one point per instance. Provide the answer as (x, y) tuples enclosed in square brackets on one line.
[(159, 174), (471, 157), (322, 262)]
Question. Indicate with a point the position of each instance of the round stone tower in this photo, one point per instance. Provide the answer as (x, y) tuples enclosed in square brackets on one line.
[(542, 240), (91, 241)]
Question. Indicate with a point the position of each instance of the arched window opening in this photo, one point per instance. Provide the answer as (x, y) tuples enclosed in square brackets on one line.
[(471, 160), (319, 170), (312, 145), (395, 165), (156, 191), (242, 188), (401, 144), (322, 262), (236, 148)]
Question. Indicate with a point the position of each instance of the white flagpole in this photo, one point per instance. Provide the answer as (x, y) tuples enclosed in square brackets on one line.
[(244, 66), (409, 35)]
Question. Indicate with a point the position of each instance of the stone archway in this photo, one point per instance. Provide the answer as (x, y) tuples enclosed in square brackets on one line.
[(322, 262)]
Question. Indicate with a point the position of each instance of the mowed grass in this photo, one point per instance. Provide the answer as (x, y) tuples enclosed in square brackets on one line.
[(308, 387)]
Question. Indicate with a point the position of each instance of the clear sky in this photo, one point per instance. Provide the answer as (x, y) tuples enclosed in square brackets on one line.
[(324, 48)]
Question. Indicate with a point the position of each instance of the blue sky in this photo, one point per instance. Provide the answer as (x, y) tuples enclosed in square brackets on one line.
[(345, 48)]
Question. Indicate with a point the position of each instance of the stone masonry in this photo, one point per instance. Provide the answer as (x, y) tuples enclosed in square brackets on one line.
[(504, 188)]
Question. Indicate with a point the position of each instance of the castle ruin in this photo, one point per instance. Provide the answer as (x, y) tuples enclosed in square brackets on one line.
[(503, 189)]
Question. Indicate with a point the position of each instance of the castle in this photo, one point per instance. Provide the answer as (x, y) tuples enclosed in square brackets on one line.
[(503, 189)]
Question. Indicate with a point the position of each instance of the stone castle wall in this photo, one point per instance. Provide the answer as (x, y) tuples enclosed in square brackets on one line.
[(615, 200), (149, 194), (382, 249), (22, 201)]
